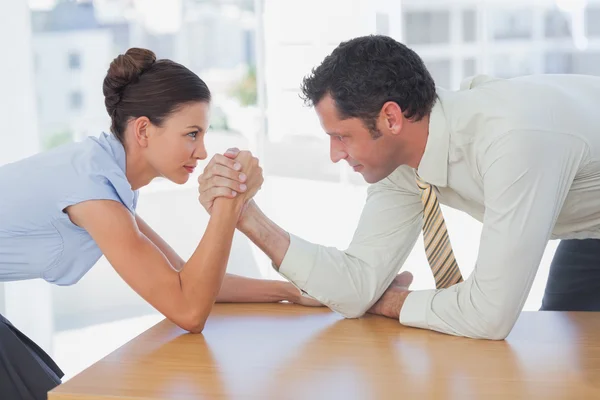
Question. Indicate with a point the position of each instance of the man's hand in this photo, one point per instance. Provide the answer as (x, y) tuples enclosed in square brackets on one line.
[(226, 176), (254, 175), (392, 300)]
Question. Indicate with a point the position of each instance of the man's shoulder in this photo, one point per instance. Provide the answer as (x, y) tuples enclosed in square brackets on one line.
[(477, 80), (402, 178)]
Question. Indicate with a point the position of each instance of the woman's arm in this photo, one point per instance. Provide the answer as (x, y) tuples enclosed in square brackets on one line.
[(185, 297), (235, 288)]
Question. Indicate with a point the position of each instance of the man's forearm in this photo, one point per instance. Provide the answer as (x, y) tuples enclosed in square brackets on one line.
[(267, 235)]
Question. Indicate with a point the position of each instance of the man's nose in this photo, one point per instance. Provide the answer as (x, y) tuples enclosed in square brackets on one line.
[(337, 152)]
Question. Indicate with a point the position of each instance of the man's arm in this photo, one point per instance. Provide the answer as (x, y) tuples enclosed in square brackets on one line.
[(526, 178), (349, 281), (266, 234)]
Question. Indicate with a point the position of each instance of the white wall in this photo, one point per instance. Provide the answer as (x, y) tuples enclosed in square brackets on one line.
[(18, 136), (26, 304)]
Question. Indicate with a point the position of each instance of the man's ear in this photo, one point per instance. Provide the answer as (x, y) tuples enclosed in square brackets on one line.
[(392, 117)]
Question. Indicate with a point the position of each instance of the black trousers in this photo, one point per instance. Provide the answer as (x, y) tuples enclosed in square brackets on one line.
[(574, 278), (26, 371)]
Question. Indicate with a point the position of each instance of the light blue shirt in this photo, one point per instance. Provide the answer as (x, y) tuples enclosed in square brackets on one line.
[(37, 238)]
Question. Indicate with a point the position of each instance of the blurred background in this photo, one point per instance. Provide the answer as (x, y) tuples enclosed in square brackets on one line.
[(253, 55)]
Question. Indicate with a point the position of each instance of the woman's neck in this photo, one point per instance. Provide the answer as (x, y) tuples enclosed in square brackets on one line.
[(138, 171)]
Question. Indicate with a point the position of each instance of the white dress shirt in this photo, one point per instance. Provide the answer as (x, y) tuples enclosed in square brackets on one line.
[(520, 155)]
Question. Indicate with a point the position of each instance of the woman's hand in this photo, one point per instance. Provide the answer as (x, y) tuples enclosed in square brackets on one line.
[(305, 300), (254, 175), (234, 174)]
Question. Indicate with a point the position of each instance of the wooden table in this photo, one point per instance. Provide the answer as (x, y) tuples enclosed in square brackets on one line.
[(283, 351)]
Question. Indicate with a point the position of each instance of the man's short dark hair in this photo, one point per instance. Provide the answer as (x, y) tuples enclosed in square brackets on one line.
[(364, 73)]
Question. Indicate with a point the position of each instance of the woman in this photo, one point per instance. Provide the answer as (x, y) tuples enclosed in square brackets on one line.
[(80, 201)]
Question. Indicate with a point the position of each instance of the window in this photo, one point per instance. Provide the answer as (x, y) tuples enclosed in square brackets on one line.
[(440, 71), (382, 24), (511, 65), (76, 100), (586, 63), (74, 60), (468, 67), (421, 27), (249, 45), (558, 63), (556, 25), (512, 24), (592, 21), (469, 23)]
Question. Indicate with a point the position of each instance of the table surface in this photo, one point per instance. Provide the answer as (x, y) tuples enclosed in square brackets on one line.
[(284, 351)]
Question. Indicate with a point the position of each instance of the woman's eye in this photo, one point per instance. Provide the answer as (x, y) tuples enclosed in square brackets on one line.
[(193, 134)]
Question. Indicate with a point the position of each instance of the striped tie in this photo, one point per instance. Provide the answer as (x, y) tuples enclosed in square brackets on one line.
[(437, 243)]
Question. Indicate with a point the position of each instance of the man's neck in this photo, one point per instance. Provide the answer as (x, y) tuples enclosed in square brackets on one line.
[(416, 140)]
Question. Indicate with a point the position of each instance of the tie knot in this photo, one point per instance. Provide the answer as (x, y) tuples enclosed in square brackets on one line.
[(421, 183)]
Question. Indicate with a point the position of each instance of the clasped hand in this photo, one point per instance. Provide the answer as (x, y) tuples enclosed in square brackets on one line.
[(234, 174)]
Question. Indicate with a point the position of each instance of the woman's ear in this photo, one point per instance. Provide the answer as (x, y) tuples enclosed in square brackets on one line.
[(141, 130)]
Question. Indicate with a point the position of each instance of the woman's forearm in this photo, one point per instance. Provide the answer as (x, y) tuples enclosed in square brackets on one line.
[(202, 275), (175, 260), (234, 288), (239, 289)]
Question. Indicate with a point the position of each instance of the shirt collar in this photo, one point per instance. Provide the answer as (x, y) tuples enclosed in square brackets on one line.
[(433, 167), (112, 144)]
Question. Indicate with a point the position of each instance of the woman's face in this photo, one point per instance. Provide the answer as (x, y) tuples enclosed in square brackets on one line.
[(174, 148)]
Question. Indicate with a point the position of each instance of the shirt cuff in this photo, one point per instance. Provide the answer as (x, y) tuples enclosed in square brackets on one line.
[(414, 310), (298, 261)]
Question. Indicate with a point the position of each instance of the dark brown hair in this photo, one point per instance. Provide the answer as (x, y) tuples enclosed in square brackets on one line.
[(137, 85), (364, 73)]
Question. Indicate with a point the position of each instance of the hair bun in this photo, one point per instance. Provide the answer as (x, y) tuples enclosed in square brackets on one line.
[(123, 71)]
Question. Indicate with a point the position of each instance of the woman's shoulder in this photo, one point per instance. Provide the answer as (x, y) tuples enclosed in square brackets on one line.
[(98, 154), (92, 154), (100, 166), (94, 168)]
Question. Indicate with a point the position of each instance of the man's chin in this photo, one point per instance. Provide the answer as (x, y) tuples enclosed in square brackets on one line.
[(371, 179)]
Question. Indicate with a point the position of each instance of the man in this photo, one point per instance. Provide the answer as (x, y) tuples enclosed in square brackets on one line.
[(520, 155)]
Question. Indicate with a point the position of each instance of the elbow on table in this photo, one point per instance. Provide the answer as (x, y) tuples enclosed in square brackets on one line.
[(496, 325), (493, 334), (194, 328), (355, 308), (352, 313), (193, 321)]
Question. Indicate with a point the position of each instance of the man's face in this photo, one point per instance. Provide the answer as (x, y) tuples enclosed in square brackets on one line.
[(350, 140)]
